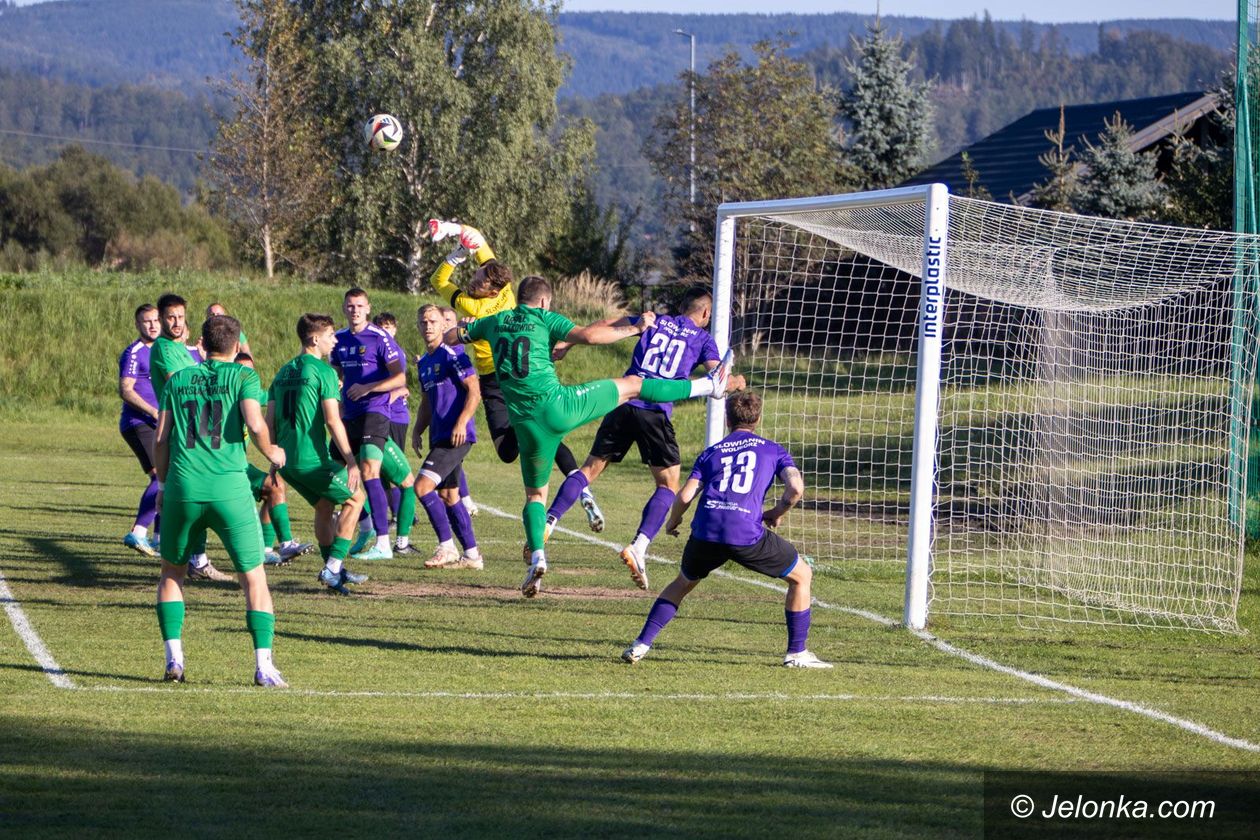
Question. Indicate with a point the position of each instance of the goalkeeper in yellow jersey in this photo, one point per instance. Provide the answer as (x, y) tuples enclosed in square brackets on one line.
[(487, 293)]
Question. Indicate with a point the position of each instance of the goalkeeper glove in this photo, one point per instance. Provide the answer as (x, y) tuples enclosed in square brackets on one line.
[(457, 256), (439, 229), (475, 241)]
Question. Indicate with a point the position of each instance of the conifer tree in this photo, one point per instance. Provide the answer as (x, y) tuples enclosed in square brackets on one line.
[(890, 125), (1119, 183), (1058, 192)]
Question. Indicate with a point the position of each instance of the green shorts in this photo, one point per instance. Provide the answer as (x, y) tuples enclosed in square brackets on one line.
[(539, 435), (235, 520), (327, 481), (257, 478)]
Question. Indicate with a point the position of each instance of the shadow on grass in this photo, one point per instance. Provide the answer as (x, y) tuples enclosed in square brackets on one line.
[(276, 782)]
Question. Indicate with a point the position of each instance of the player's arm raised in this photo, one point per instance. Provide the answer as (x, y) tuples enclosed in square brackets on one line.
[(605, 333), (258, 431), (792, 493), (682, 501)]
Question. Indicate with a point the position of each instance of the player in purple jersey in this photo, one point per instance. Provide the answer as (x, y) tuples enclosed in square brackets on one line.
[(371, 366), (451, 320), (670, 350), (450, 395), (732, 477), (138, 421), (399, 420)]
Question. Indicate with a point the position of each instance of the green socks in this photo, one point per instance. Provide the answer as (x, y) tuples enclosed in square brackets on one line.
[(170, 619), (665, 390), (262, 626), (269, 532), (280, 516), (340, 548), (406, 511), (535, 516)]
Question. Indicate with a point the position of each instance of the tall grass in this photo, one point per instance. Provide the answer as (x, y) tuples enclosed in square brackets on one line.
[(63, 331)]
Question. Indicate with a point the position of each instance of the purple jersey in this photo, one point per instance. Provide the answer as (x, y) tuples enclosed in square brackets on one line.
[(398, 409), (669, 351), (364, 357), (134, 364), (734, 475), (442, 373)]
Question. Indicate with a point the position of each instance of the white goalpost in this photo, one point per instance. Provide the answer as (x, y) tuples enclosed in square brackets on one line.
[(1038, 415)]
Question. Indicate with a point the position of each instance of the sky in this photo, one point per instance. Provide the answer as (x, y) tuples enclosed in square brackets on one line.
[(1035, 10), (1063, 10)]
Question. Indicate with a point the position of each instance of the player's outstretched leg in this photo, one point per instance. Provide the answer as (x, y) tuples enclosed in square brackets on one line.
[(569, 469), (796, 613), (663, 611)]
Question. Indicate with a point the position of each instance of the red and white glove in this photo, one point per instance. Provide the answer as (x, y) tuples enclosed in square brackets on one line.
[(471, 238), (439, 229)]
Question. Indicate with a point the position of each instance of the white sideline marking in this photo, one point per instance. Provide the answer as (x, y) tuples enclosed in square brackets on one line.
[(31, 639), (594, 695), (973, 658)]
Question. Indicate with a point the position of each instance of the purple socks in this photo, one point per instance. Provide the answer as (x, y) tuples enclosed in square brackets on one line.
[(380, 505), (798, 629), (568, 494), (437, 511), (660, 614), (655, 511), (148, 504), (461, 524)]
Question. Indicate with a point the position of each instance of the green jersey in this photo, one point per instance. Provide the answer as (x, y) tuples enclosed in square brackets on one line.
[(299, 391), (521, 340), (165, 358), (207, 431)]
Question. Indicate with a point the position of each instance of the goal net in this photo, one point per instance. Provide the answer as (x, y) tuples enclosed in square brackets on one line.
[(1039, 415)]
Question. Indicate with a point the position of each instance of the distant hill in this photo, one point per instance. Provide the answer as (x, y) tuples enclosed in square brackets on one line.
[(177, 44)]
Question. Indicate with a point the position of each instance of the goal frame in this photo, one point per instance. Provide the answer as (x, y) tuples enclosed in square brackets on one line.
[(929, 334)]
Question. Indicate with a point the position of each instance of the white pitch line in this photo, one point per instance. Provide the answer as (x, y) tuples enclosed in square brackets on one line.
[(975, 659), (721, 697), (31, 639)]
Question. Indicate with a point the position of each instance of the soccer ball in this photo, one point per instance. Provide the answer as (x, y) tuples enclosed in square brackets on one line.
[(383, 133)]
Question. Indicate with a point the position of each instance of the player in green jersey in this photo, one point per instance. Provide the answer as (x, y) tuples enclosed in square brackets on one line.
[(268, 487), (200, 458), (171, 353), (303, 409), (543, 411)]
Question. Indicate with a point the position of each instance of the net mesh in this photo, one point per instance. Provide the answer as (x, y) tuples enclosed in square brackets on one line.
[(1095, 392)]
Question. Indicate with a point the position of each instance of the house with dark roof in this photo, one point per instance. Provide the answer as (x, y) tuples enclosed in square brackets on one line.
[(1006, 162)]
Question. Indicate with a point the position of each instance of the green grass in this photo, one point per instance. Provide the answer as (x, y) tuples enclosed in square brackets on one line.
[(526, 753), (442, 703)]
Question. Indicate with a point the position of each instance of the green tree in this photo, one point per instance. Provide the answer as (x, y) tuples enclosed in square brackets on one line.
[(474, 85), (975, 189), (762, 131), (1059, 190), (596, 240), (268, 175), (1119, 183), (889, 117), (1200, 181)]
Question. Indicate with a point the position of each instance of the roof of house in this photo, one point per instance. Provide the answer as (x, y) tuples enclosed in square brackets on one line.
[(1006, 161)]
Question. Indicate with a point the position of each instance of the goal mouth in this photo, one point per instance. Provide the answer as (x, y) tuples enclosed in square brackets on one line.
[(1042, 416)]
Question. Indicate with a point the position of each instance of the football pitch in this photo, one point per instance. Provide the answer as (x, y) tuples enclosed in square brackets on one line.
[(441, 702)]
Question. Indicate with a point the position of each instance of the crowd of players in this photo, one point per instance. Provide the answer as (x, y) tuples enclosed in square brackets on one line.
[(334, 425)]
